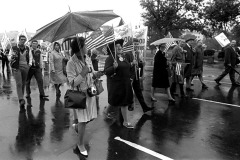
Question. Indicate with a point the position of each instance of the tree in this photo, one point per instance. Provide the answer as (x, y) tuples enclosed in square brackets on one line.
[(163, 16), (221, 15)]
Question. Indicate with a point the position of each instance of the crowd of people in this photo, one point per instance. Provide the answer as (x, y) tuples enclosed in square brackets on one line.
[(124, 72)]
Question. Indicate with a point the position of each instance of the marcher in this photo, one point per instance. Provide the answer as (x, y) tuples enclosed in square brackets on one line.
[(190, 60), (160, 74), (230, 60), (198, 63), (178, 65), (36, 71), (118, 71), (20, 61), (5, 61), (135, 62), (80, 74), (56, 68)]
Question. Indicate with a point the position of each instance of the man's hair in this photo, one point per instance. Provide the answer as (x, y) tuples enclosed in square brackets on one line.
[(34, 41), (77, 43), (21, 36)]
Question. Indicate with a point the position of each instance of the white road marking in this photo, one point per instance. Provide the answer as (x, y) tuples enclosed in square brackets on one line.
[(234, 105), (146, 150), (213, 81)]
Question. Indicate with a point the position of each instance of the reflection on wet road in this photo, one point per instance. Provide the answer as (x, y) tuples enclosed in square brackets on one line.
[(203, 126)]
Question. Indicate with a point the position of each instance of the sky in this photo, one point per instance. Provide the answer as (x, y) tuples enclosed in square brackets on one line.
[(17, 15)]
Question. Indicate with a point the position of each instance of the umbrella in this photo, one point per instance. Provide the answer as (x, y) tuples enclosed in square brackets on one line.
[(73, 23), (166, 40)]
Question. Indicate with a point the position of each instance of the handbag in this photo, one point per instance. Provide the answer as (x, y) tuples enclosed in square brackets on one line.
[(99, 86), (75, 99)]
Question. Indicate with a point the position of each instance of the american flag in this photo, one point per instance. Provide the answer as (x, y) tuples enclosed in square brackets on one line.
[(169, 44), (95, 39), (178, 68)]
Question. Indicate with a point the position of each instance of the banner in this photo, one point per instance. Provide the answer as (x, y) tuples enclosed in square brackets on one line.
[(141, 34), (222, 39), (4, 41), (124, 32)]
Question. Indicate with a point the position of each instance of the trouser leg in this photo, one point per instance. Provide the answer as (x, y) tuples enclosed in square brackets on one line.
[(138, 93), (223, 74), (39, 78), (232, 76), (28, 81), (18, 78), (24, 73)]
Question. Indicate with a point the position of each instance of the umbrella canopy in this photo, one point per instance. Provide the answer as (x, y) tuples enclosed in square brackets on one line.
[(73, 23), (166, 40)]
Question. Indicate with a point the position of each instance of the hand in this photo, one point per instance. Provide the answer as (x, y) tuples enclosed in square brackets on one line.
[(85, 71), (115, 64), (98, 74), (134, 62)]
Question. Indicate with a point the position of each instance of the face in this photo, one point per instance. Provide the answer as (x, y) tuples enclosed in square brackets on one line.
[(118, 48), (191, 42), (199, 43), (233, 43), (22, 41), (57, 47), (34, 45)]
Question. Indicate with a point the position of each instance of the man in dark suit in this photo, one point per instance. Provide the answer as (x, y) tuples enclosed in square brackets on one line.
[(229, 63), (190, 60)]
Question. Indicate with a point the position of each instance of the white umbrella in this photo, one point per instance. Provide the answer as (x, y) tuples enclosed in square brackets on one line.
[(166, 40)]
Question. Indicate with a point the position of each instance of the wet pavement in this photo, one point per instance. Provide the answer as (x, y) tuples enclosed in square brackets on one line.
[(204, 126)]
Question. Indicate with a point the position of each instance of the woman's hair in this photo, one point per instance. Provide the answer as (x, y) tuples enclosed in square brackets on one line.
[(77, 43), (56, 43)]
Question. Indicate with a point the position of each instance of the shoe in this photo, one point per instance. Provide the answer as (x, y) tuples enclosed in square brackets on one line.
[(22, 104), (128, 125), (43, 96), (218, 82), (184, 96), (147, 109), (171, 100), (153, 99), (236, 84), (189, 89), (204, 86), (77, 151)]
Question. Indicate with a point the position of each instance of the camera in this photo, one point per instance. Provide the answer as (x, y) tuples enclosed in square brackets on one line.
[(92, 91)]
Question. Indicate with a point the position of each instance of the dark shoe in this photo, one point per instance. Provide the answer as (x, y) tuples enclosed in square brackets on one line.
[(218, 82), (172, 101), (147, 109), (204, 86), (189, 89), (77, 151), (22, 104), (236, 84), (184, 96), (43, 96)]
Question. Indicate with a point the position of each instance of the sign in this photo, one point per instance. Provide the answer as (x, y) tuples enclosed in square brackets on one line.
[(222, 39), (140, 33), (124, 32)]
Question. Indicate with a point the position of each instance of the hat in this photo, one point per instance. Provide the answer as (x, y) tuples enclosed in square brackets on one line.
[(110, 47), (189, 38)]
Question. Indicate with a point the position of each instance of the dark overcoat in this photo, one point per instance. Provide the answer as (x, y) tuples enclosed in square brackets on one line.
[(188, 59), (118, 82), (160, 73)]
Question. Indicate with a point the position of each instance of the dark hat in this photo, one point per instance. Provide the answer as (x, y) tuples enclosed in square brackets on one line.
[(111, 46), (189, 38)]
